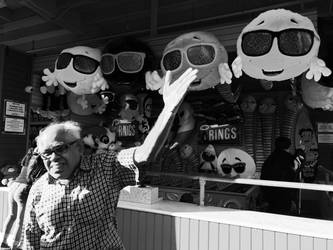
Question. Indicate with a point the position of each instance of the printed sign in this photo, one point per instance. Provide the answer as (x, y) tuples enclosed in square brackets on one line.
[(325, 127), (220, 134), (14, 108), (14, 125)]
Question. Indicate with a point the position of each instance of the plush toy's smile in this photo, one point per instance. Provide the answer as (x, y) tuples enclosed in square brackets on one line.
[(70, 84), (272, 73), (195, 83)]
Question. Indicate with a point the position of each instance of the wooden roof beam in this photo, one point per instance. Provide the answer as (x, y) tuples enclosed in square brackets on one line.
[(48, 10)]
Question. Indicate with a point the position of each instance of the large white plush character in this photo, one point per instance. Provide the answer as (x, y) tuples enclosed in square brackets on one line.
[(78, 70), (199, 50), (235, 162), (279, 45)]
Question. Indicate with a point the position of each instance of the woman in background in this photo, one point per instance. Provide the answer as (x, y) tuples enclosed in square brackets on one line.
[(32, 169)]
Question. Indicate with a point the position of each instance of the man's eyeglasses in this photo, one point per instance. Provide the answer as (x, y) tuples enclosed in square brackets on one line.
[(238, 167), (81, 63), (127, 61), (196, 55), (291, 42), (58, 150)]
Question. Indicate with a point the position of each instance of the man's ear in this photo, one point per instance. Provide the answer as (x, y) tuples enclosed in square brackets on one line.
[(81, 146)]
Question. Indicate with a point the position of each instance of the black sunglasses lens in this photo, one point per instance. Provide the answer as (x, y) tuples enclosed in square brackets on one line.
[(239, 167), (256, 43), (63, 60), (84, 64), (130, 62), (226, 168), (295, 42), (172, 60), (201, 54), (107, 64)]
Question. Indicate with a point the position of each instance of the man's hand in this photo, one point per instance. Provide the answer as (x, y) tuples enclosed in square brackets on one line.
[(173, 93)]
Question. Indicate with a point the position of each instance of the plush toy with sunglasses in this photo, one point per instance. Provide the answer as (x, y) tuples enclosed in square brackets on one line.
[(279, 45), (124, 63), (100, 138), (199, 50), (235, 163), (78, 70)]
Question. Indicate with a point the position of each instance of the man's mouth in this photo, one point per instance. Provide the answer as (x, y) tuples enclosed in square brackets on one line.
[(70, 84), (272, 73)]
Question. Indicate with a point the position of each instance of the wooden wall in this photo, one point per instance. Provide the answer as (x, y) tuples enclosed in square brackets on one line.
[(150, 231), (15, 72)]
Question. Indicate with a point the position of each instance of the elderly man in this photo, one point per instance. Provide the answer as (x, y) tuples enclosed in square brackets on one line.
[(73, 205)]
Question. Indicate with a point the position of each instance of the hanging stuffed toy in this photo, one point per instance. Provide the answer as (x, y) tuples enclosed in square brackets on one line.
[(100, 138), (306, 139), (48, 101), (208, 161), (267, 110), (186, 123), (248, 106), (131, 127), (235, 163), (288, 124), (316, 95), (78, 70), (190, 160), (279, 45), (124, 63), (200, 50)]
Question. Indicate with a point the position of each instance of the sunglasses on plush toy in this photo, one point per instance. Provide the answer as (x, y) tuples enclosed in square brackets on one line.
[(196, 55), (128, 62), (238, 167), (291, 42), (81, 63)]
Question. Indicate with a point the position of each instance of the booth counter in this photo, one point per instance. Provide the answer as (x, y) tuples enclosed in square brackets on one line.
[(177, 225)]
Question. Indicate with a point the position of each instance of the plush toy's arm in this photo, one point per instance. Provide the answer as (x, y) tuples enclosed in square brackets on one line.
[(49, 78), (99, 83), (173, 94), (317, 68), (237, 67), (154, 81), (225, 73)]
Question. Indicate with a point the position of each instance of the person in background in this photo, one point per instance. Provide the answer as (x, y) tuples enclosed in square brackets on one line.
[(73, 206), (279, 166), (32, 169)]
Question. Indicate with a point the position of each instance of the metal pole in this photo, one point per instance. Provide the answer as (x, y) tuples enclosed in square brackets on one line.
[(202, 183)]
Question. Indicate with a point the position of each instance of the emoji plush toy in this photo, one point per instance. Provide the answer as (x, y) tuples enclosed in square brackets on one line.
[(78, 70), (124, 63), (235, 162), (279, 45), (199, 50)]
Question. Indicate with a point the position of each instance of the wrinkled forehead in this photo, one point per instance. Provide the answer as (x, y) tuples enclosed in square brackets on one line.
[(192, 38), (86, 51), (280, 19)]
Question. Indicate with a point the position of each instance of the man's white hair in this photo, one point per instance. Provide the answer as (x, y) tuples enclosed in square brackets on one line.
[(69, 128)]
